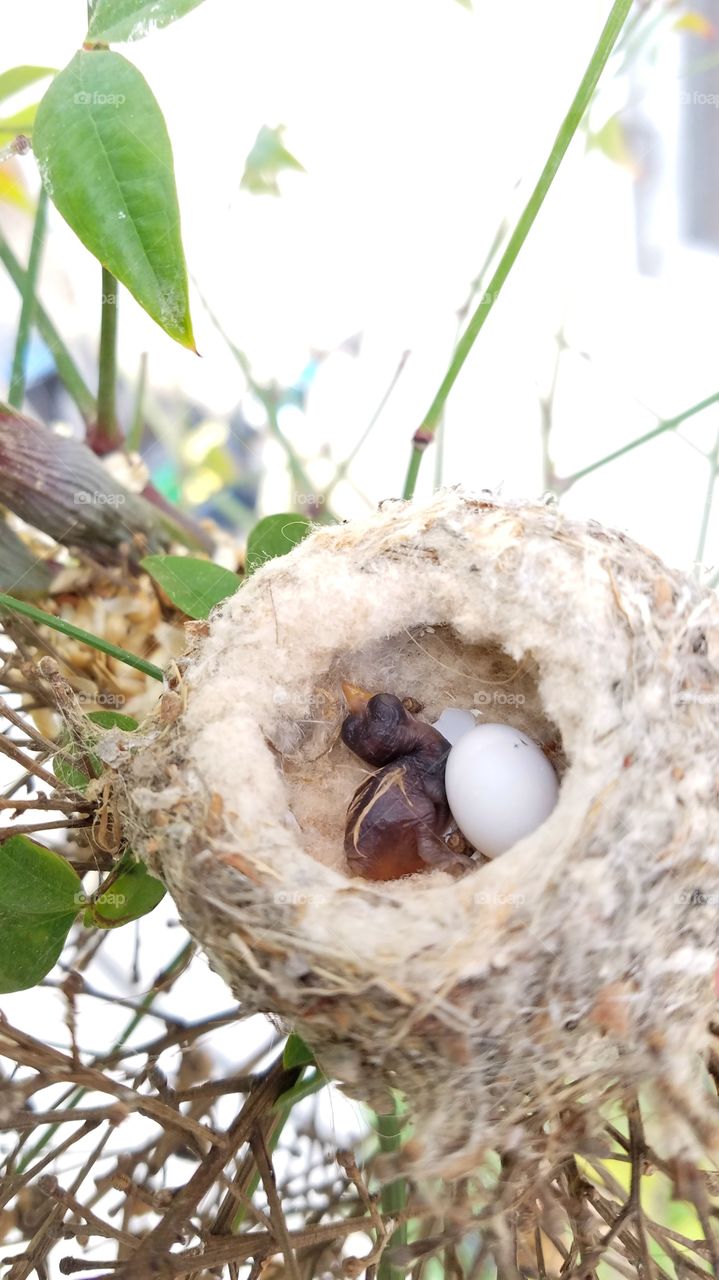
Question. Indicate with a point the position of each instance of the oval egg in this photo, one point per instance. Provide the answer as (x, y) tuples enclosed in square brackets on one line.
[(500, 787)]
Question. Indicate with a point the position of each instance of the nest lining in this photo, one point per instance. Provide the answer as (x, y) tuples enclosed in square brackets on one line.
[(429, 664), (578, 965)]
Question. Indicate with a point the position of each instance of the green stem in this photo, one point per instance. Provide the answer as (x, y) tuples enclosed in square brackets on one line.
[(16, 391), (667, 424), (107, 426), (415, 461), (134, 435), (569, 126), (708, 503), (77, 633), (394, 1194), (67, 370)]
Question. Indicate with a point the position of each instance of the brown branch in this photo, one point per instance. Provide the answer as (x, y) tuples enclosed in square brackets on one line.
[(26, 762), (267, 1174), (22, 1048), (151, 1257)]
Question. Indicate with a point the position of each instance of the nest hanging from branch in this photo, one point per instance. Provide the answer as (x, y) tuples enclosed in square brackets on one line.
[(511, 1004)]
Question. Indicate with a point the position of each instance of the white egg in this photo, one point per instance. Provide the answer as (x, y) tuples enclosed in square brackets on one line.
[(500, 787), (454, 723)]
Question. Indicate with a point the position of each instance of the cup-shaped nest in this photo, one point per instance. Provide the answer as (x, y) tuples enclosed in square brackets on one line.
[(571, 970)]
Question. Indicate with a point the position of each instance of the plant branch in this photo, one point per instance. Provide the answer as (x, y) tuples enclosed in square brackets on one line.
[(569, 126), (78, 633), (67, 370), (667, 424), (106, 435), (16, 390)]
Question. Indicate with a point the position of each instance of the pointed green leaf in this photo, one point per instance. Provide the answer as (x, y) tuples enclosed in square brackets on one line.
[(296, 1053), (113, 20), (18, 78), (133, 894), (612, 141), (105, 157), (40, 896), (113, 720), (275, 536), (194, 586)]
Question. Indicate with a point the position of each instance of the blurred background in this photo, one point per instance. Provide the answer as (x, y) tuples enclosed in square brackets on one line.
[(347, 175), (344, 173)]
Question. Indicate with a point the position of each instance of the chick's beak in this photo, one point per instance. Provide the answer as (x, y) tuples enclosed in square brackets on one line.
[(355, 697)]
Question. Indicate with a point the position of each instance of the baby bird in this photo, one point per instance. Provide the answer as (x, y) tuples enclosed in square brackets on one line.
[(397, 817)]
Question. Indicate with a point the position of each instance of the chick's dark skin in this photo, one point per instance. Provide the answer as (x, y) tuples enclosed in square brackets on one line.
[(397, 818)]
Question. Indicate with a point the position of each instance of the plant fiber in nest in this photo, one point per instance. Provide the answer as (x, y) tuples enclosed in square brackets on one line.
[(511, 1004)]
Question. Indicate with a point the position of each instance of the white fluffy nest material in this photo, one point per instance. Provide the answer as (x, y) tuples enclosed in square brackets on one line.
[(577, 967)]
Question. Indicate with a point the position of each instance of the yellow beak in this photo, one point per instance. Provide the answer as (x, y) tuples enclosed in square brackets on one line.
[(355, 697)]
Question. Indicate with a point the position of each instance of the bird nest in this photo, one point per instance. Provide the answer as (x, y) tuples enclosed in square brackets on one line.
[(512, 1003)]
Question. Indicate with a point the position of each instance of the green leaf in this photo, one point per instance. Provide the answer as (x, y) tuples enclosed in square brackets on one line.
[(275, 536), (133, 894), (611, 140), (266, 160), (40, 896), (133, 19), (113, 720), (194, 586), (68, 764), (297, 1053), (18, 78), (104, 153)]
